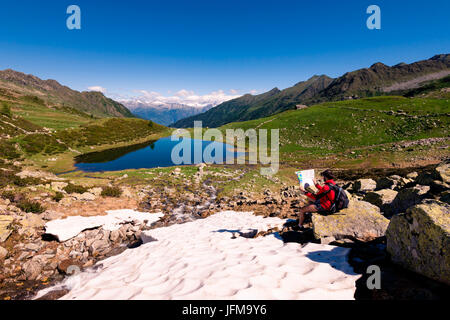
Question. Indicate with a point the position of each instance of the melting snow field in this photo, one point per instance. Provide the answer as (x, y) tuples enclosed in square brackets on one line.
[(207, 259), (66, 229)]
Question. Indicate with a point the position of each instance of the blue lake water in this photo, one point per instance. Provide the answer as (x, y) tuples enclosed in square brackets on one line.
[(152, 155)]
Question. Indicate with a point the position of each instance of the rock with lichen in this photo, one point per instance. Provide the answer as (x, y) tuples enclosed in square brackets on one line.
[(419, 240), (361, 221)]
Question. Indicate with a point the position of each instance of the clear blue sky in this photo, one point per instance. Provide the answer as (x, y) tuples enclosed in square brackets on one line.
[(214, 44)]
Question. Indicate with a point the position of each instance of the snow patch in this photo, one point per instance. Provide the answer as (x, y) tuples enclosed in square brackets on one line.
[(66, 229), (207, 259)]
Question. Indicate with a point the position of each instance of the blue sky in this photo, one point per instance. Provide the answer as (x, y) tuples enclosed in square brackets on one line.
[(205, 46)]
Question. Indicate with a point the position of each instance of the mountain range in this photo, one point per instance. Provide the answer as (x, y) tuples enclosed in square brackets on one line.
[(165, 114), (17, 85), (379, 79)]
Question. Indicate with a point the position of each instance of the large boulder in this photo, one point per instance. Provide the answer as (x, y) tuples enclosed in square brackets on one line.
[(382, 198), (361, 221), (440, 173), (388, 182), (5, 230), (364, 185), (419, 240), (407, 198)]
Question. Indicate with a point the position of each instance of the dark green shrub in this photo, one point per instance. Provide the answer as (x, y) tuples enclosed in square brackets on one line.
[(6, 110), (114, 192), (8, 195), (30, 206), (58, 196), (72, 188), (25, 182)]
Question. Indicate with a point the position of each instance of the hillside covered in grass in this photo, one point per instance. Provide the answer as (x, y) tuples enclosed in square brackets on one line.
[(18, 88), (347, 126), (23, 138)]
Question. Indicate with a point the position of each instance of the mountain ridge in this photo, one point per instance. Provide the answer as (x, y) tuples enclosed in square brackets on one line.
[(15, 84), (365, 82)]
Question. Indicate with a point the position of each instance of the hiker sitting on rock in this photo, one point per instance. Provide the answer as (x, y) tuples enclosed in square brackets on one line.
[(324, 200)]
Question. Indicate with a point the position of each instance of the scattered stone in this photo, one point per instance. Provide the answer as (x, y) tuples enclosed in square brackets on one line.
[(382, 198), (64, 265), (5, 224), (445, 197), (3, 253), (443, 172), (386, 183), (412, 175), (420, 240), (114, 236), (87, 196), (407, 198), (58, 186), (31, 224), (96, 191), (364, 185), (361, 221), (97, 246), (126, 193), (32, 247), (51, 215), (32, 269), (66, 201), (54, 295)]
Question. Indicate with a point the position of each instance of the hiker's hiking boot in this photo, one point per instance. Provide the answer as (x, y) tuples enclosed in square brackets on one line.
[(293, 225)]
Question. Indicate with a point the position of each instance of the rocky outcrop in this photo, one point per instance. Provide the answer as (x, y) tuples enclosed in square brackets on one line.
[(361, 221), (419, 240)]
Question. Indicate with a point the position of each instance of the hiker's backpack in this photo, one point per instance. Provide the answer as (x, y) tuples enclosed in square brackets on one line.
[(340, 198)]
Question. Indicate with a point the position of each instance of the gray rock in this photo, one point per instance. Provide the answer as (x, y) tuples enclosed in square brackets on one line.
[(382, 198), (114, 235), (443, 172), (420, 240), (51, 215), (32, 269), (412, 175), (87, 196), (5, 227), (58, 186), (407, 198), (98, 245), (386, 183), (32, 247), (364, 185)]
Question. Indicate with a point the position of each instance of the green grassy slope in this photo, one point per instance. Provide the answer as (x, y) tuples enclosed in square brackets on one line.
[(334, 127), (17, 87)]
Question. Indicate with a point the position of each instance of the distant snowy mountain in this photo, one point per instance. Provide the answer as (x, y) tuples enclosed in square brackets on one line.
[(164, 113)]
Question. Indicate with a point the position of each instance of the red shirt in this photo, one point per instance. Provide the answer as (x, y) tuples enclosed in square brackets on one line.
[(327, 200)]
